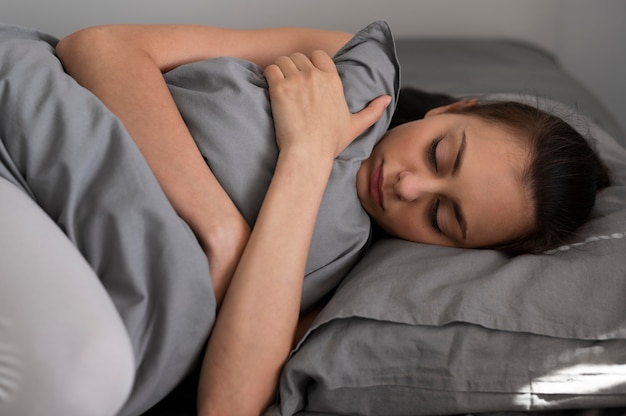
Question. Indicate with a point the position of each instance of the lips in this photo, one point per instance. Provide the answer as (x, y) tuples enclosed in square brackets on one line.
[(376, 182)]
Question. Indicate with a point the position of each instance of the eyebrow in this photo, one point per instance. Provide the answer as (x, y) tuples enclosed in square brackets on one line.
[(458, 213)]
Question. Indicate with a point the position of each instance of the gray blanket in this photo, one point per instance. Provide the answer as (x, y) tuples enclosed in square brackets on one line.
[(63, 148)]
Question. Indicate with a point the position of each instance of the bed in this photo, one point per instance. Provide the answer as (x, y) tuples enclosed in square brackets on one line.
[(410, 329)]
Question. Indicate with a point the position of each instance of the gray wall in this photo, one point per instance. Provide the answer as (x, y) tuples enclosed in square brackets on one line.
[(591, 44), (588, 36), (527, 19)]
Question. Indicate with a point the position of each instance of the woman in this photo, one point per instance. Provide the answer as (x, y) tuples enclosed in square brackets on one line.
[(425, 181)]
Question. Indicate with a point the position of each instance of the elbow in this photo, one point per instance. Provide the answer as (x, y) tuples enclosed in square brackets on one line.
[(66, 47), (86, 44), (78, 41), (73, 50)]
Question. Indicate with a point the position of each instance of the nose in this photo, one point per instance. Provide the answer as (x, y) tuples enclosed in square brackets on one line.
[(409, 186)]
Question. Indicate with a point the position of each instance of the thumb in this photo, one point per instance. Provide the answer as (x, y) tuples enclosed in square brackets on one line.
[(369, 115)]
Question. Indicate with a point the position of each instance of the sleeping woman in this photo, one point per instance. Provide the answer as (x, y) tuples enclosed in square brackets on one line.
[(463, 174)]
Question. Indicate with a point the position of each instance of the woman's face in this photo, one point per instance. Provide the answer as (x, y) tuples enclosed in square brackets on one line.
[(448, 179)]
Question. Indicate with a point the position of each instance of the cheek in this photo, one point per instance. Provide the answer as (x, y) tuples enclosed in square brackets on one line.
[(408, 224)]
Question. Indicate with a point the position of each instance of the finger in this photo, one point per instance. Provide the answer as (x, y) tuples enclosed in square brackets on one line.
[(282, 64), (369, 115), (301, 61), (273, 74), (323, 61), (280, 69), (286, 65)]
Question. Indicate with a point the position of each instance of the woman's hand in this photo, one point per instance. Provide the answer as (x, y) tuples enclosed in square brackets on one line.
[(309, 107)]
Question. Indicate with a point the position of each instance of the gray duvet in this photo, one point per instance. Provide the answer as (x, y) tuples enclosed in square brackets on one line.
[(64, 149)]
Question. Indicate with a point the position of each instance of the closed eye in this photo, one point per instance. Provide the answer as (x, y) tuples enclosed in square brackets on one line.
[(432, 214), (432, 153)]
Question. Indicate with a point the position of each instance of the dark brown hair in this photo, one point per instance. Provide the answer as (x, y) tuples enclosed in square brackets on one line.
[(564, 173)]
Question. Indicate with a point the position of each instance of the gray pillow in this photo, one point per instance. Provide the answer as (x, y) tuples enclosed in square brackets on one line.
[(417, 329), (226, 106)]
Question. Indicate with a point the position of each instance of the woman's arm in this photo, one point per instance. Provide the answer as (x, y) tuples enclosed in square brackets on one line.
[(123, 66), (172, 45), (256, 326)]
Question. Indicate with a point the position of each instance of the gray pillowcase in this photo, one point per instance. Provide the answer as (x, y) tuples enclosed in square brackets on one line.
[(417, 329), (226, 106)]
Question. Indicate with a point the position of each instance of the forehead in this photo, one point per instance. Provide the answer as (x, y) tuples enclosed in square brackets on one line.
[(495, 200)]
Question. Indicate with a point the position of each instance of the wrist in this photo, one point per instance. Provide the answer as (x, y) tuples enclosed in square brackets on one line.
[(308, 163), (306, 177)]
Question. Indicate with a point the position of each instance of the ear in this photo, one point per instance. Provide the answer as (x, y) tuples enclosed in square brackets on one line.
[(457, 105)]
